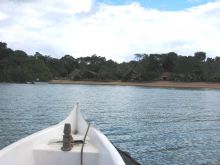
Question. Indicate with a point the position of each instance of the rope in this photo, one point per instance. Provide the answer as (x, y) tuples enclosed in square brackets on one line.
[(84, 139)]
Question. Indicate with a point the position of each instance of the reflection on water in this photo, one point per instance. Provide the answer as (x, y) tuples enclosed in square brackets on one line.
[(157, 126)]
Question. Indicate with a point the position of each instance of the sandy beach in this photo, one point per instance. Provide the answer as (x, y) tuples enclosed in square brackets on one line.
[(164, 84)]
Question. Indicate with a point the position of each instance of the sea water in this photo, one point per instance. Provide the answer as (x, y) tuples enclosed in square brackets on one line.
[(155, 125)]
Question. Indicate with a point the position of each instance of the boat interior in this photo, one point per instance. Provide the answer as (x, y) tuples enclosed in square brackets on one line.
[(73, 141)]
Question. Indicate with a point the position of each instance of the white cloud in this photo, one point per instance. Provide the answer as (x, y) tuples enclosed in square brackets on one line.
[(81, 28), (194, 1)]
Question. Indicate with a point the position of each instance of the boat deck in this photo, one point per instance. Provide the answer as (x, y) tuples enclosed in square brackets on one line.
[(51, 154)]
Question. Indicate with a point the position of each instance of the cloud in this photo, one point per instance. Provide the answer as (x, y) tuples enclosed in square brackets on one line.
[(200, 1), (82, 28), (194, 1)]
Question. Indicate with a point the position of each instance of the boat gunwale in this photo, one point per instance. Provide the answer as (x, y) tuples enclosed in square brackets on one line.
[(30, 139)]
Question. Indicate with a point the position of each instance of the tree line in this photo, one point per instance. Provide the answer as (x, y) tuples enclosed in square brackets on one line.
[(18, 66)]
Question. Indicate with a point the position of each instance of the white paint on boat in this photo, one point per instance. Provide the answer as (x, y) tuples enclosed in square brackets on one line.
[(40, 149)]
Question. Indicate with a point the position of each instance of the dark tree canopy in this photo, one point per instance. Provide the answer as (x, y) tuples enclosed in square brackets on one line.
[(18, 66), (3, 45), (200, 56)]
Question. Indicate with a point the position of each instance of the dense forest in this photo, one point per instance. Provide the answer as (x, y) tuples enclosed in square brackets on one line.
[(17, 66)]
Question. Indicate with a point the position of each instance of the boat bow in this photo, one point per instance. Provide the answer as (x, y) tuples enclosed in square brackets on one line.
[(44, 147)]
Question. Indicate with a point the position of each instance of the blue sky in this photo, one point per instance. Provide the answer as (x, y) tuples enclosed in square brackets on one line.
[(170, 5)]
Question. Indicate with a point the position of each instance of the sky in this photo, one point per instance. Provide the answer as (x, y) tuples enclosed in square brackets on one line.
[(114, 29)]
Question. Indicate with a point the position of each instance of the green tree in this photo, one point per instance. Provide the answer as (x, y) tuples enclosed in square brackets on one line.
[(168, 61), (201, 56), (69, 64)]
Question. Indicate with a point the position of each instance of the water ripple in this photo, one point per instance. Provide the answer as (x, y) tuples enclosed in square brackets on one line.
[(156, 126)]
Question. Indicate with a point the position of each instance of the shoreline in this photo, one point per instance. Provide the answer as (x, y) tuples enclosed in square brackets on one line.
[(158, 84)]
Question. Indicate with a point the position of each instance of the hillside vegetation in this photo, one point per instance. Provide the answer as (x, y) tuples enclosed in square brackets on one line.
[(18, 66)]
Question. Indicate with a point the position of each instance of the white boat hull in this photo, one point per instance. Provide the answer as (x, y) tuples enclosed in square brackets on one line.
[(42, 148)]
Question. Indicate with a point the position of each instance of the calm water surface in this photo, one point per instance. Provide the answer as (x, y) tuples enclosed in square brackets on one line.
[(157, 126)]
